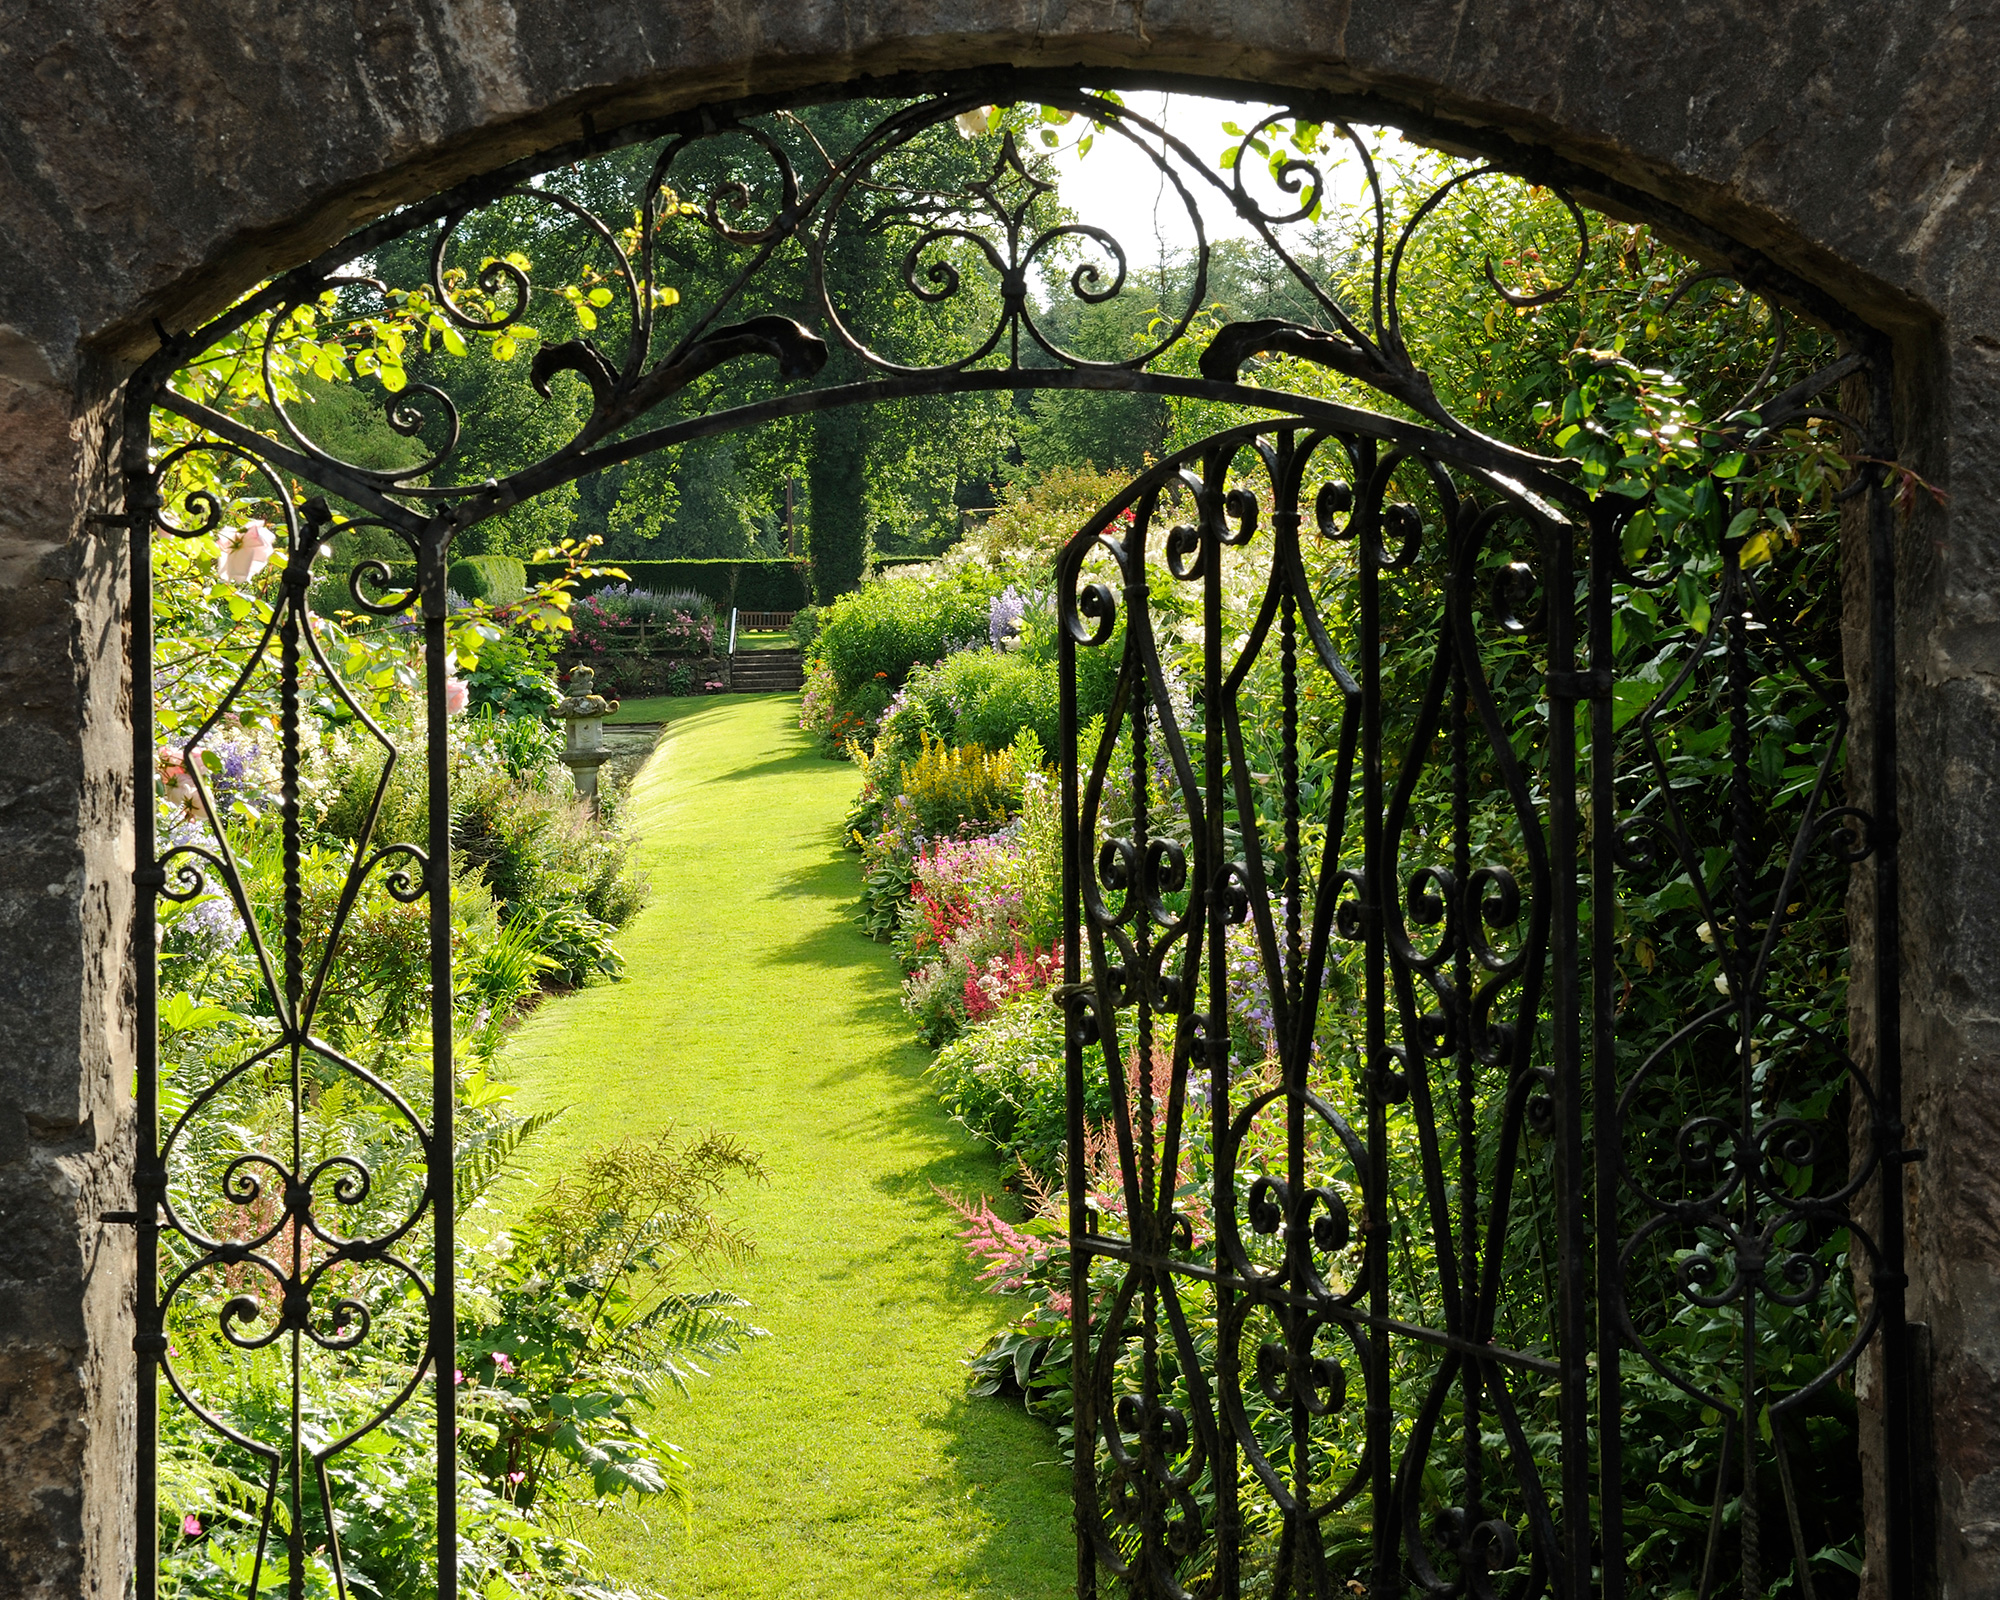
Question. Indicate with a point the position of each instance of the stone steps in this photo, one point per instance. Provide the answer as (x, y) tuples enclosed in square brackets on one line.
[(766, 672)]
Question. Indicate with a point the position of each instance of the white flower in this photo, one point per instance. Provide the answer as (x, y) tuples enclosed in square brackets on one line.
[(1705, 933), (1722, 983), (243, 552), (975, 122)]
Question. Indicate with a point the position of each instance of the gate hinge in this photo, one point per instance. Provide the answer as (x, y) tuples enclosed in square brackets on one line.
[(1592, 685), (118, 1216)]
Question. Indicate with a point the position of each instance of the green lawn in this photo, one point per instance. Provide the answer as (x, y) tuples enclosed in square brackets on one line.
[(841, 1457), (653, 708)]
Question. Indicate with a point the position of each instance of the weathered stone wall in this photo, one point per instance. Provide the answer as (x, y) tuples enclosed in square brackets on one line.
[(157, 156), (65, 1091)]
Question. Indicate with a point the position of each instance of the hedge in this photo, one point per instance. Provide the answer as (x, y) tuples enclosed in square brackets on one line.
[(500, 579), (780, 585), (759, 585)]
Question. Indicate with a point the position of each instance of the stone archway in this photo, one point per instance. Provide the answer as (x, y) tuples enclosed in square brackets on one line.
[(160, 154)]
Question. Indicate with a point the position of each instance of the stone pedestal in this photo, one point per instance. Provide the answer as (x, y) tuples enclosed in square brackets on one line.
[(584, 712)]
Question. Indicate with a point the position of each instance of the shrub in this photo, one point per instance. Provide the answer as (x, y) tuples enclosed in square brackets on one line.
[(983, 923), (805, 626), (526, 746), (1035, 520), (987, 697), (512, 678), (577, 945), (552, 870), (623, 600), (343, 806), (757, 585), (1003, 1079), (497, 580), (884, 629), (620, 623), (587, 1329), (957, 788)]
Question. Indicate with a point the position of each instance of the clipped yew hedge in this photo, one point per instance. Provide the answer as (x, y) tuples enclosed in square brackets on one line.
[(780, 585)]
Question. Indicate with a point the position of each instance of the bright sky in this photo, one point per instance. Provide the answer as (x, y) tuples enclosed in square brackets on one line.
[(1123, 191)]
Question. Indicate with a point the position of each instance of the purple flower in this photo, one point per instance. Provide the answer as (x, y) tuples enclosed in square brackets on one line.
[(1003, 617)]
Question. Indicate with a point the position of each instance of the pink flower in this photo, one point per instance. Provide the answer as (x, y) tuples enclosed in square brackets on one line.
[(191, 1526), (456, 693), (243, 552), (1010, 1254), (502, 1363), (457, 1376), (177, 780), (516, 1477)]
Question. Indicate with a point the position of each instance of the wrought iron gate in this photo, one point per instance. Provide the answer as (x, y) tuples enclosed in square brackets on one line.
[(1249, 1365), (1362, 1314)]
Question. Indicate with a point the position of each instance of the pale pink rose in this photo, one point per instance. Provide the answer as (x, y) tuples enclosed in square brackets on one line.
[(456, 693), (178, 781), (245, 551)]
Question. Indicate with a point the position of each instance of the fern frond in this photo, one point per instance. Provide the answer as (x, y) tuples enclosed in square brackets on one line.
[(481, 1160)]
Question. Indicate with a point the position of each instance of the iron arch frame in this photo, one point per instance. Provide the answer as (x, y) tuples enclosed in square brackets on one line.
[(1149, 907)]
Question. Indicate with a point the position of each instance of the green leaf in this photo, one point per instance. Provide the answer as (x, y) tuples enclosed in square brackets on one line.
[(182, 1013)]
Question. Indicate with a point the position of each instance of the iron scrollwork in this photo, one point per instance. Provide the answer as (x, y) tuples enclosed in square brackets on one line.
[(1258, 1407)]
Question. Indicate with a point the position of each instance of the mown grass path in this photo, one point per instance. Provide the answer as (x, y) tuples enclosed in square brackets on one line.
[(843, 1456)]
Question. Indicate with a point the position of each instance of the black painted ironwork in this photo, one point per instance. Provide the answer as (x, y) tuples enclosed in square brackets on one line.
[(1263, 1405), (1486, 1023)]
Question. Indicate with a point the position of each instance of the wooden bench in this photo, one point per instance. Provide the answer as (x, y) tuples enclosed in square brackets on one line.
[(764, 621)]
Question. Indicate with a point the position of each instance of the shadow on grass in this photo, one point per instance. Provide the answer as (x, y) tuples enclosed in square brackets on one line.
[(796, 761), (1023, 1508)]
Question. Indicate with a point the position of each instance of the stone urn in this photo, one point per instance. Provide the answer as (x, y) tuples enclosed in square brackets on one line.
[(584, 711)]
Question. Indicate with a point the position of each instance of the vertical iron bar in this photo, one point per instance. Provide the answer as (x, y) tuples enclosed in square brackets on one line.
[(1083, 1436), (1385, 1579), (149, 1173), (1892, 1283), (1742, 853), (1459, 1019), (1604, 1058), (1228, 1532), (1574, 1581), (1147, 1236), (1297, 1045), (443, 1331), (294, 1025)]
